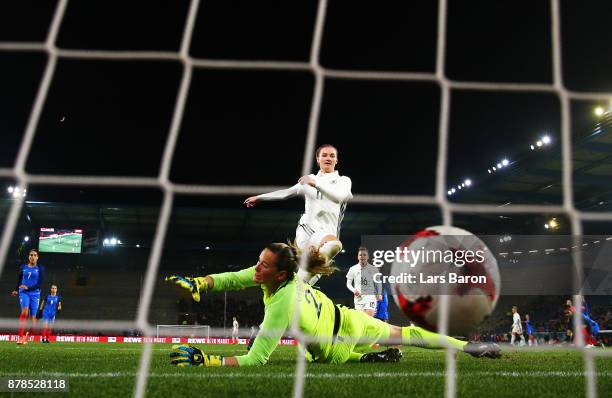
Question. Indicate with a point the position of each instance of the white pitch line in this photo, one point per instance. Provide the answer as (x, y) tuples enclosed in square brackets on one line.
[(232, 375)]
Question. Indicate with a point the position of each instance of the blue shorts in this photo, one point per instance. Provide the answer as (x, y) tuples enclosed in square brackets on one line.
[(29, 300), (382, 312), (49, 318)]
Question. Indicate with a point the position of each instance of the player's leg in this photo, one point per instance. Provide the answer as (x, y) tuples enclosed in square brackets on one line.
[(513, 338), (367, 331), (50, 329), (24, 304), (355, 337), (34, 301), (45, 328), (370, 305), (418, 337), (302, 241), (330, 246)]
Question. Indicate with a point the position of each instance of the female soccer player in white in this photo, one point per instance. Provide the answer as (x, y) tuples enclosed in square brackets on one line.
[(517, 327), (361, 282), (325, 195), (235, 326)]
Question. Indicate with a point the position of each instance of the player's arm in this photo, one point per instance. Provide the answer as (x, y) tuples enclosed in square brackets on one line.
[(42, 304), (338, 192), (350, 279), (231, 280), (18, 285), (377, 286), (215, 282), (281, 194), (59, 305), (275, 323)]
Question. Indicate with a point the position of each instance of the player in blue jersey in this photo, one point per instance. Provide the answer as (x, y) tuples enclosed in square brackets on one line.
[(529, 329), (382, 307), (29, 280), (50, 307)]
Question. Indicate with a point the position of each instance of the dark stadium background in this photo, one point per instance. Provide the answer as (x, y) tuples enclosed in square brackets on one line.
[(244, 127)]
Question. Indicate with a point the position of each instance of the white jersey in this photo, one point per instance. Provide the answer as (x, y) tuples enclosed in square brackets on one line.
[(324, 204), (516, 323), (235, 327), (361, 279)]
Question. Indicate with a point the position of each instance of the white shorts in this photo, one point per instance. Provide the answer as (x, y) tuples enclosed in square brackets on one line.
[(365, 302), (517, 330), (307, 236)]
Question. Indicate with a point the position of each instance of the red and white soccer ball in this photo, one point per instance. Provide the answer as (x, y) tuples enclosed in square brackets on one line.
[(471, 298)]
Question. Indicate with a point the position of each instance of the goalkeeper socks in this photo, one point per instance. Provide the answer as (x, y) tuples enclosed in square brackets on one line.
[(419, 337)]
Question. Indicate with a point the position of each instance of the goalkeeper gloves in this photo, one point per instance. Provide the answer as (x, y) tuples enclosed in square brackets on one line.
[(194, 285), (188, 355)]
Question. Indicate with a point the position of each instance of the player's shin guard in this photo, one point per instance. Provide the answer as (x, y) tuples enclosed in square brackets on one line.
[(419, 337)]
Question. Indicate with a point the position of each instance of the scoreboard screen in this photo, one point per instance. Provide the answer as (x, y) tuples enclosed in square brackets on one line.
[(59, 240)]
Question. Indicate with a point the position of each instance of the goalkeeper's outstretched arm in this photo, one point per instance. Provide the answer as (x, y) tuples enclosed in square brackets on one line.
[(215, 282)]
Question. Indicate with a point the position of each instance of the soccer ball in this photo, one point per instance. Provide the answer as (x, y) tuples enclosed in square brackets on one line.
[(446, 260)]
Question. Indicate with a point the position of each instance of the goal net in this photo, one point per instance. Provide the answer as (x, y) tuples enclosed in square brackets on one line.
[(161, 180), (183, 331)]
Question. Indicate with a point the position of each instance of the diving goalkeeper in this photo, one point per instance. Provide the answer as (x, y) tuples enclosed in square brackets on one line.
[(338, 334)]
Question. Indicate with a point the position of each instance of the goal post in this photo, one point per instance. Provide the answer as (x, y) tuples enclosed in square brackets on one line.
[(183, 331)]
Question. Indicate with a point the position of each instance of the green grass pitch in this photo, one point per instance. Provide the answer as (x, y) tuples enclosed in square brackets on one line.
[(107, 370)]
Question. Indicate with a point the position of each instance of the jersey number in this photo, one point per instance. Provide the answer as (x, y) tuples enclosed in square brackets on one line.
[(29, 273), (314, 300)]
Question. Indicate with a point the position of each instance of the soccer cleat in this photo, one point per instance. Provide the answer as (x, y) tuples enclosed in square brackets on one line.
[(194, 285), (479, 350), (388, 355), (188, 355)]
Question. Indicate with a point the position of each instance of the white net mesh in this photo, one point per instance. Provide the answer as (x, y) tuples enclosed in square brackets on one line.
[(183, 330), (321, 75)]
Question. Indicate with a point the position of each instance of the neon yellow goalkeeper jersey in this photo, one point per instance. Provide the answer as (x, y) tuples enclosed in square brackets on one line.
[(316, 315)]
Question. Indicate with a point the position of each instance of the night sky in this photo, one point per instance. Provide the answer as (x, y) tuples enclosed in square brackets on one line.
[(109, 117)]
